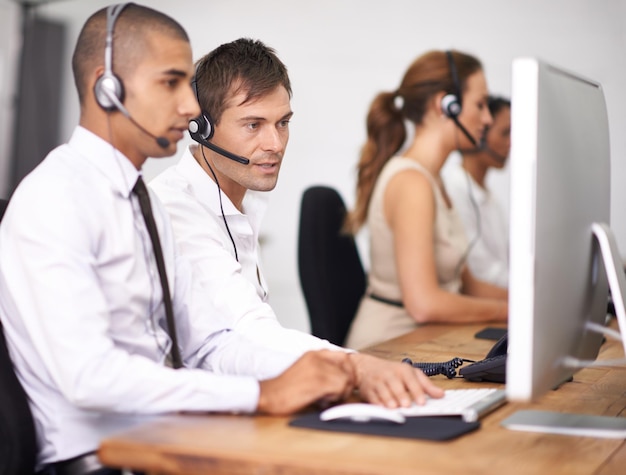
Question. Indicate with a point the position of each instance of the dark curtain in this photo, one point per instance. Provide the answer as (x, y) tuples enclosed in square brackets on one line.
[(38, 99)]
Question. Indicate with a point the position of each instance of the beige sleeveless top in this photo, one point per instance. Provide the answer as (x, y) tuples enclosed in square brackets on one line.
[(376, 321)]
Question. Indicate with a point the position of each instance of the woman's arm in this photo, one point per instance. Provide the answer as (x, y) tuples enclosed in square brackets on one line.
[(410, 210), (479, 288)]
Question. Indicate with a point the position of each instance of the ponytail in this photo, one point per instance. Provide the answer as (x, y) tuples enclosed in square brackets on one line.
[(385, 136)]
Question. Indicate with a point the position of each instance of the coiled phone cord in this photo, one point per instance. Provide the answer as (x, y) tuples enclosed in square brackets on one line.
[(447, 368)]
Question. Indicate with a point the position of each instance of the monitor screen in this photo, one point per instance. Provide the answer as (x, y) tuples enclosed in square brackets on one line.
[(560, 186)]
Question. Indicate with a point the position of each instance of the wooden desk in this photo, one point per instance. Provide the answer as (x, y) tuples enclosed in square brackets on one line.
[(220, 444)]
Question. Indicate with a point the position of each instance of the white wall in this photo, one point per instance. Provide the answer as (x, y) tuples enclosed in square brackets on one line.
[(341, 53)]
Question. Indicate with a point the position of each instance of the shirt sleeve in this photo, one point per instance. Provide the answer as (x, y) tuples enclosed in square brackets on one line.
[(207, 337)]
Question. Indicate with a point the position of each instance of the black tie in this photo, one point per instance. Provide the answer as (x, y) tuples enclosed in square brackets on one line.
[(146, 210)]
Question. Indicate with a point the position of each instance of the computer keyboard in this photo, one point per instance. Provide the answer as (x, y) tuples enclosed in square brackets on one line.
[(470, 404)]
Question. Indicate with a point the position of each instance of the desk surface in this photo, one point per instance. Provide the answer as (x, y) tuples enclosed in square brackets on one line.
[(223, 444)]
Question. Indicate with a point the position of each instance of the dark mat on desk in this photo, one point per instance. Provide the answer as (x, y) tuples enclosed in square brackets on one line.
[(428, 428)]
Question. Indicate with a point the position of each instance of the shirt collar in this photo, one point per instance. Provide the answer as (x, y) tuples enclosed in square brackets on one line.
[(109, 161), (205, 189)]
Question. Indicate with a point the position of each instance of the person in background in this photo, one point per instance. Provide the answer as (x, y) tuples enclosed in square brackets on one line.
[(83, 249), (480, 211), (418, 246), (217, 195)]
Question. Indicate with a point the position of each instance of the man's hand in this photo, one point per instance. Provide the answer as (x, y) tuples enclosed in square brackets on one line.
[(391, 384), (324, 375)]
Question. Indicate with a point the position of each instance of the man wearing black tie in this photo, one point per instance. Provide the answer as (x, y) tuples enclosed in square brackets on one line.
[(97, 308)]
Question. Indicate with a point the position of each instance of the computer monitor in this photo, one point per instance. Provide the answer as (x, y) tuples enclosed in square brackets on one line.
[(562, 253)]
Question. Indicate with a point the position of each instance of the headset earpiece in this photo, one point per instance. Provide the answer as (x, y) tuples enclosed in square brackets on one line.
[(109, 85), (201, 130), (201, 126), (450, 105)]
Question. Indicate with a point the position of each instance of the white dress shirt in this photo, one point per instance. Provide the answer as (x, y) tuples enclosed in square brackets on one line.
[(238, 288), (81, 306), (489, 257)]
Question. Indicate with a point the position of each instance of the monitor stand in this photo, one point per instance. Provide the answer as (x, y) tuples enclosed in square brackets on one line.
[(615, 273), (583, 424)]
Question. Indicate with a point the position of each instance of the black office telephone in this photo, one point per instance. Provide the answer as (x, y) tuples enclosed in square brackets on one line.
[(492, 368)]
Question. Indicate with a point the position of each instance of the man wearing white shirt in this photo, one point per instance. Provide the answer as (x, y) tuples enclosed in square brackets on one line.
[(480, 211), (81, 301), (216, 197)]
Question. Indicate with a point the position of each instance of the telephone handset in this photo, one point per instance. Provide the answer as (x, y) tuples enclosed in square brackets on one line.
[(492, 368), (500, 347)]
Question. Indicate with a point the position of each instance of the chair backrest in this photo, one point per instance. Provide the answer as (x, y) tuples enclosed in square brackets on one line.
[(331, 273), (3, 207), (18, 442)]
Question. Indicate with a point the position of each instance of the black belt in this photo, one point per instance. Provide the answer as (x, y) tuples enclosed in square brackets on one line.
[(378, 298), (82, 465)]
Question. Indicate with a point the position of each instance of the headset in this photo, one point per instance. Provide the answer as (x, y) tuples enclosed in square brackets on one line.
[(451, 103), (109, 88), (201, 130), (451, 107), (493, 154)]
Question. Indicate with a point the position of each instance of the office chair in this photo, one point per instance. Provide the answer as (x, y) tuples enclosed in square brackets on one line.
[(18, 442), (331, 273)]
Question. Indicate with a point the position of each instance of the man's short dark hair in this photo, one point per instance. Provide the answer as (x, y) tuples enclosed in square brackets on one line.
[(496, 104), (242, 65), (131, 28)]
